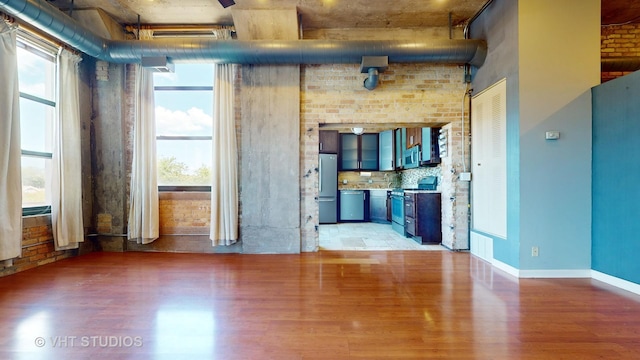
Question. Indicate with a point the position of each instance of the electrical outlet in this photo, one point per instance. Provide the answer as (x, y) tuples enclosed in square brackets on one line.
[(534, 251)]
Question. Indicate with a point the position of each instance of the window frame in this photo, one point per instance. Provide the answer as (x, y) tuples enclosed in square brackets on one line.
[(48, 51), (184, 188)]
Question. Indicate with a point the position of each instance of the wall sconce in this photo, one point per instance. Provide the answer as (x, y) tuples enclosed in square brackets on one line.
[(357, 130)]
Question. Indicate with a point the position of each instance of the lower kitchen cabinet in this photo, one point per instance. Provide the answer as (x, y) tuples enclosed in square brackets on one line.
[(423, 217), (378, 205)]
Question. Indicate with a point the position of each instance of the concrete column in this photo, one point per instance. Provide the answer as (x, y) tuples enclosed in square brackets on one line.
[(270, 145)]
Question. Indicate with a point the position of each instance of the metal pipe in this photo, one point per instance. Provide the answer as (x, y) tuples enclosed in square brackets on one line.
[(50, 20), (371, 82), (473, 18), (622, 63)]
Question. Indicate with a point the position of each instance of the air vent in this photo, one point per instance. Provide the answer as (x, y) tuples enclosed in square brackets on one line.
[(158, 64)]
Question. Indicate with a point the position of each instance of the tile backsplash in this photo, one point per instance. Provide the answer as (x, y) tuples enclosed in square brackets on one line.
[(410, 177), (386, 179)]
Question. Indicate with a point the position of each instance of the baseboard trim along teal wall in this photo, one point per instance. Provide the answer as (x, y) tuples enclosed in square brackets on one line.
[(617, 282)]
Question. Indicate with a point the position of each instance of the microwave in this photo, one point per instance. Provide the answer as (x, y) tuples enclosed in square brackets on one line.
[(412, 157)]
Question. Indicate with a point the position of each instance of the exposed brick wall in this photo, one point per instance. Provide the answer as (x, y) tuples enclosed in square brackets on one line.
[(185, 213), (37, 246), (181, 213), (407, 94), (619, 40)]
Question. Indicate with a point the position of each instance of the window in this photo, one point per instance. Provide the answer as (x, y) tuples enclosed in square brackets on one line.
[(184, 118), (37, 78)]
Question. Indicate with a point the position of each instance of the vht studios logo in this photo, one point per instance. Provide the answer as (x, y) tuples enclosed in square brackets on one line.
[(89, 341)]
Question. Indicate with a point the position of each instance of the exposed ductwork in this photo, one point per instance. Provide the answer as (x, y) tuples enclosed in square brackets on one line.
[(625, 63), (371, 82), (373, 65), (50, 20)]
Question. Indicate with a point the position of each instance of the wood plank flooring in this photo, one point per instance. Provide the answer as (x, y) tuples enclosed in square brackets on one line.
[(325, 305)]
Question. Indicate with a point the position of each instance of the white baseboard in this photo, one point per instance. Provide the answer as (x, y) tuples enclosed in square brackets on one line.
[(567, 274), (555, 274), (505, 267), (617, 282)]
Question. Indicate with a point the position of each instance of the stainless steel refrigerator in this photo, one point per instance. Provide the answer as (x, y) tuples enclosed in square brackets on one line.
[(328, 188)]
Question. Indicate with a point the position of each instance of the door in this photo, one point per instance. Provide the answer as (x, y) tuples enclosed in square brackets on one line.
[(386, 157), (400, 144), (489, 165), (349, 152), (369, 152), (329, 141)]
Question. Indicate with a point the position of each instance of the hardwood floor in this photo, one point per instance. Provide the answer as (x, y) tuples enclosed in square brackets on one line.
[(325, 305)]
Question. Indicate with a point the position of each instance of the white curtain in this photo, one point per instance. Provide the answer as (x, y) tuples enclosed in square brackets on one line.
[(66, 204), (144, 217), (10, 154), (224, 187)]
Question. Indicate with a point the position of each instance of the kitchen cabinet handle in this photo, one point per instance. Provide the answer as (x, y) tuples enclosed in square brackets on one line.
[(320, 146)]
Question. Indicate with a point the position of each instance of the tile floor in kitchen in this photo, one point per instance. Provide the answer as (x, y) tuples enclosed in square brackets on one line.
[(367, 236)]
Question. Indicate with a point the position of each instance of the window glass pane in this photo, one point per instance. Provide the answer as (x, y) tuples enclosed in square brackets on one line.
[(36, 181), (36, 75), (36, 126), (184, 113), (184, 162), (186, 75)]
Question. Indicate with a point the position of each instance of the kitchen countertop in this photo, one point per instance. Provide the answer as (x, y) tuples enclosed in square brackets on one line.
[(421, 191), (405, 190)]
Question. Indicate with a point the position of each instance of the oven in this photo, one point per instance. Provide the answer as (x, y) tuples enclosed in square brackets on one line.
[(397, 210)]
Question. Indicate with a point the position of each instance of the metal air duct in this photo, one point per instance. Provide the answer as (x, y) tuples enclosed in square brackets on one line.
[(625, 63), (50, 20), (373, 65)]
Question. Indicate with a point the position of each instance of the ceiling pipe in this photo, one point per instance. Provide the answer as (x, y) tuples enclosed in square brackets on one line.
[(373, 66), (371, 82), (50, 20), (623, 63)]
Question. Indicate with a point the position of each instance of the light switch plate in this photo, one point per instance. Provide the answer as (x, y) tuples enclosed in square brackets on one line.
[(465, 176), (552, 135)]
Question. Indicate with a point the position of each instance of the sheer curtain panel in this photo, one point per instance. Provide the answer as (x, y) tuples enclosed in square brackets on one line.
[(144, 216), (10, 153), (224, 169), (66, 204)]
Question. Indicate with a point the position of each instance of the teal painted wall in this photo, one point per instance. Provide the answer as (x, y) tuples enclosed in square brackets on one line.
[(616, 174)]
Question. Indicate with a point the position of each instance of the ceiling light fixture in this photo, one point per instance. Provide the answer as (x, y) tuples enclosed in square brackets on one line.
[(357, 130), (226, 3)]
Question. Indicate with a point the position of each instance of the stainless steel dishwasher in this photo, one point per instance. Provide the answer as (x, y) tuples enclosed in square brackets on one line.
[(352, 205)]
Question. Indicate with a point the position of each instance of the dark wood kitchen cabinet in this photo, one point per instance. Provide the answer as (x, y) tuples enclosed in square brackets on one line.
[(329, 142), (358, 152), (423, 217), (414, 137)]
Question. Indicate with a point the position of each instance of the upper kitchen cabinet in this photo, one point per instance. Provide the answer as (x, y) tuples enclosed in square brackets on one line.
[(430, 154), (359, 152), (414, 137), (329, 142), (400, 143), (387, 154)]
